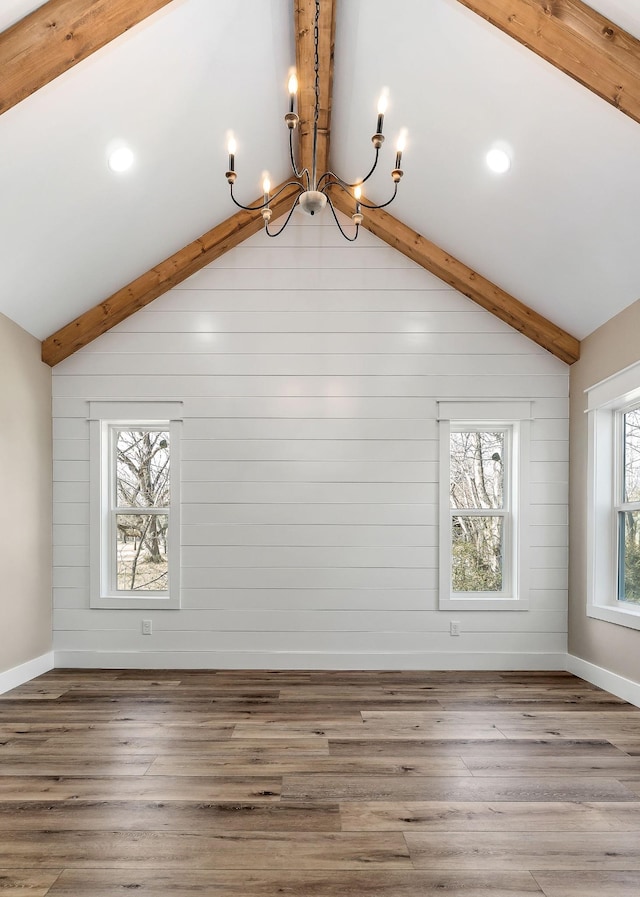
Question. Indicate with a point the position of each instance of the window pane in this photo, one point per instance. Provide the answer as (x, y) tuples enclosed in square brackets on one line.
[(477, 469), (476, 554), (629, 561), (141, 552), (142, 468), (632, 455)]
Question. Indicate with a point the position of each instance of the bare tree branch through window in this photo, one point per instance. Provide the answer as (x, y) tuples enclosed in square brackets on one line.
[(142, 486), (477, 488)]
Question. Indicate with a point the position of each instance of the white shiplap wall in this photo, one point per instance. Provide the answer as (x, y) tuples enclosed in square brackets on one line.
[(309, 370)]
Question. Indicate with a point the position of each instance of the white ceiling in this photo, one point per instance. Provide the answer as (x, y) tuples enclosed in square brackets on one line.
[(558, 231)]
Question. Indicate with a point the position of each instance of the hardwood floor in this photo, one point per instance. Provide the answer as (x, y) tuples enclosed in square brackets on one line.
[(318, 784)]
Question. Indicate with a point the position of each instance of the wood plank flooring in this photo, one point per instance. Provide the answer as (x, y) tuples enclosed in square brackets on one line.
[(318, 784)]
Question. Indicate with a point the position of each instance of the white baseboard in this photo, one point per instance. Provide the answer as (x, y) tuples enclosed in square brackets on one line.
[(26, 671), (176, 660), (611, 682), (237, 660)]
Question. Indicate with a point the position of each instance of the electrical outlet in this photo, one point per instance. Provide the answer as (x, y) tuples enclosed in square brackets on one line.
[(147, 627), (454, 627)]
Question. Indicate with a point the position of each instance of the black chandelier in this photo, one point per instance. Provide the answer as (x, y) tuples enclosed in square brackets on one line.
[(312, 192)]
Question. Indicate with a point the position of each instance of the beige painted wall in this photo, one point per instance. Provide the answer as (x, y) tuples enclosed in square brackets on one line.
[(607, 350), (25, 510)]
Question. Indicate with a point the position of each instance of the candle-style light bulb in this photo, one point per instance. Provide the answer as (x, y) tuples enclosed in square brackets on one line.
[(231, 146), (357, 194), (357, 215), (293, 90), (400, 146), (382, 108), (266, 187)]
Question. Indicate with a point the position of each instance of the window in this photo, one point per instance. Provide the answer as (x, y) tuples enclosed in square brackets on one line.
[(140, 502), (613, 536), (628, 505), (479, 501), (135, 513), (482, 511)]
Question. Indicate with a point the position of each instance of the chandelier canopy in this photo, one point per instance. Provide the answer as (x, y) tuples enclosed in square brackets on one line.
[(312, 191)]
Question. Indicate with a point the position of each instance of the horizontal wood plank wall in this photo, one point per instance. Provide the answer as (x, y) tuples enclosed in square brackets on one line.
[(309, 370)]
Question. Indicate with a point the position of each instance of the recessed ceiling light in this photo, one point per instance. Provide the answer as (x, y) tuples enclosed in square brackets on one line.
[(121, 159), (498, 161)]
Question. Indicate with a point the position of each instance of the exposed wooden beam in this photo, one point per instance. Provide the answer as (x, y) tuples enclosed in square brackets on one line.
[(304, 18), (465, 280), (576, 39), (59, 34), (158, 280)]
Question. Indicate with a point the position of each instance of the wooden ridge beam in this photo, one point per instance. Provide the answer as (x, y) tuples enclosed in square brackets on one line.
[(486, 294), (576, 39), (159, 280), (58, 35), (304, 18)]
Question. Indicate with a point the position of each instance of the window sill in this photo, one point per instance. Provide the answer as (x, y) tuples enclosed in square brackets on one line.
[(620, 616), (122, 602), (471, 603)]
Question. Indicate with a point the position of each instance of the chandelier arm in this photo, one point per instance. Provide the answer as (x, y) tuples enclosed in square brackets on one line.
[(305, 171), (264, 205), (340, 228), (295, 184), (373, 168), (345, 184), (382, 205), (286, 221), (247, 208), (345, 189)]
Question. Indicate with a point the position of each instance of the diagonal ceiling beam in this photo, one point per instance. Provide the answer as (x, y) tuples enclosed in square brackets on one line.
[(465, 280), (59, 34), (304, 18), (576, 39), (158, 280)]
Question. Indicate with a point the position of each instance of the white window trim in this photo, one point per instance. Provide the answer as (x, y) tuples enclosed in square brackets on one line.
[(103, 416), (515, 416), (605, 401)]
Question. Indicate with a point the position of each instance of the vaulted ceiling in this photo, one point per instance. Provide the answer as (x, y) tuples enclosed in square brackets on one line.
[(550, 247)]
